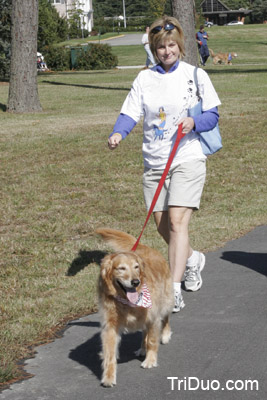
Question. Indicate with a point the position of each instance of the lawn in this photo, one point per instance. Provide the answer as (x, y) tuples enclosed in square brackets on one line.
[(59, 182), (248, 41)]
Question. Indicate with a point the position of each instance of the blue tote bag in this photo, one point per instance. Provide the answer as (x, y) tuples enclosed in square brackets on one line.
[(210, 141)]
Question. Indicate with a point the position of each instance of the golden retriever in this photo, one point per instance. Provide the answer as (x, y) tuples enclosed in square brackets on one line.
[(124, 279), (221, 58)]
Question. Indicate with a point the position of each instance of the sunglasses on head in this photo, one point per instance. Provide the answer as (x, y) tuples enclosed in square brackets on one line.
[(167, 27)]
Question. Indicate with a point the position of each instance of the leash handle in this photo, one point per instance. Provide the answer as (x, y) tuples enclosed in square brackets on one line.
[(179, 136)]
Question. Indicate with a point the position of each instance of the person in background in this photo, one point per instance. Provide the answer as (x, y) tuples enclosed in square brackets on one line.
[(150, 58), (162, 96), (202, 38)]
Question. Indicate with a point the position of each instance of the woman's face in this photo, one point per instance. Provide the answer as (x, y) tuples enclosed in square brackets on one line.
[(168, 53)]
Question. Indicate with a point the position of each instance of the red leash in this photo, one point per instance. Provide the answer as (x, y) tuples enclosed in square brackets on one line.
[(179, 136)]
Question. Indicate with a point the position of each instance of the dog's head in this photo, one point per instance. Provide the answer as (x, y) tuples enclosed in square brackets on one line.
[(234, 55), (122, 274)]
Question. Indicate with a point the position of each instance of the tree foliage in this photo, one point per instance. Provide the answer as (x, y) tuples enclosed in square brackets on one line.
[(52, 28), (157, 7), (139, 13), (236, 4), (259, 11), (107, 8), (5, 37), (133, 8)]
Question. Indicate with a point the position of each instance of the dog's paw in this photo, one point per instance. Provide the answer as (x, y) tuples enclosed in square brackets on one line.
[(109, 376), (140, 352), (106, 382), (166, 337), (150, 362)]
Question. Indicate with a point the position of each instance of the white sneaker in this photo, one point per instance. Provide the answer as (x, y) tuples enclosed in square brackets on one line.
[(178, 302), (193, 280)]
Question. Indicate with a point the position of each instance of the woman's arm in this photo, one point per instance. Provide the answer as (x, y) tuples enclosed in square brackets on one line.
[(123, 126)]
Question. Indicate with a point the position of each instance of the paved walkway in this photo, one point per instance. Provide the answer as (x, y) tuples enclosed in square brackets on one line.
[(121, 40), (218, 348)]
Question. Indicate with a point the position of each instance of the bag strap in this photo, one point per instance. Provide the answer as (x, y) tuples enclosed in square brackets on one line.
[(196, 83)]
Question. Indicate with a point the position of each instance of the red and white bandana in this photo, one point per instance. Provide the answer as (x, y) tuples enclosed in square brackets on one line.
[(136, 299)]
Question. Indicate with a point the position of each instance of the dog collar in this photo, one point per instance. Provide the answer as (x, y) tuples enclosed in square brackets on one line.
[(144, 299)]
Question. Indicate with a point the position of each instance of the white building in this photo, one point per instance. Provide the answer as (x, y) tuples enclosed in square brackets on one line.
[(65, 6)]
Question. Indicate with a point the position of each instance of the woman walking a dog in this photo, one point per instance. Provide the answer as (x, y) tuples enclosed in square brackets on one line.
[(202, 45), (169, 87)]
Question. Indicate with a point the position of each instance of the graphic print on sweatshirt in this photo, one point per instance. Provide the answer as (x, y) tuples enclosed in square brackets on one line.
[(159, 129)]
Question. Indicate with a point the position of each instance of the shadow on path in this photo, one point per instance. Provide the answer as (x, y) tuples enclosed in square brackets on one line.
[(87, 354), (255, 261)]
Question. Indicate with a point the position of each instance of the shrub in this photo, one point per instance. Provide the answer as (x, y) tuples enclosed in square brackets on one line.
[(57, 58), (96, 56), (102, 29)]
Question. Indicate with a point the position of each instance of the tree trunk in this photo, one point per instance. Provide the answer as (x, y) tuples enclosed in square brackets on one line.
[(23, 89), (184, 11)]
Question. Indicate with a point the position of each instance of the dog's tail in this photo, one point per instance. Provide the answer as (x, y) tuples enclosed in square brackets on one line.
[(119, 241), (212, 52)]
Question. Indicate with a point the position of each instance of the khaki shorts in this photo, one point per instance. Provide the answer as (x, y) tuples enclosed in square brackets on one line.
[(182, 188)]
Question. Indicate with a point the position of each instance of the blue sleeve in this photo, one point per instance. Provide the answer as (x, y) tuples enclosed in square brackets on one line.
[(124, 125), (207, 120)]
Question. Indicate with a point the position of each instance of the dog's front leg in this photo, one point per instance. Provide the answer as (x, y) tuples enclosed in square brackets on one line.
[(152, 345), (110, 342)]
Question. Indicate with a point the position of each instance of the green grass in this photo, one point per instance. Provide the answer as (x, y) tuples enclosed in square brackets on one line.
[(249, 41), (130, 55), (59, 182)]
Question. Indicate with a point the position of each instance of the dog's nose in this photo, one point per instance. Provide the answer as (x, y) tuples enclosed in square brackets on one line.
[(135, 282)]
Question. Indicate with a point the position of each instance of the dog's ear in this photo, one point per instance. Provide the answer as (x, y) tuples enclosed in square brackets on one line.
[(106, 270)]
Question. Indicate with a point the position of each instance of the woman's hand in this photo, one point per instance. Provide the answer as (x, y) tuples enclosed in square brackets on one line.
[(188, 124), (114, 141)]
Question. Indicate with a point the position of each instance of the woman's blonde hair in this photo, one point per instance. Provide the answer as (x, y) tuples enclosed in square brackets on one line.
[(157, 37)]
